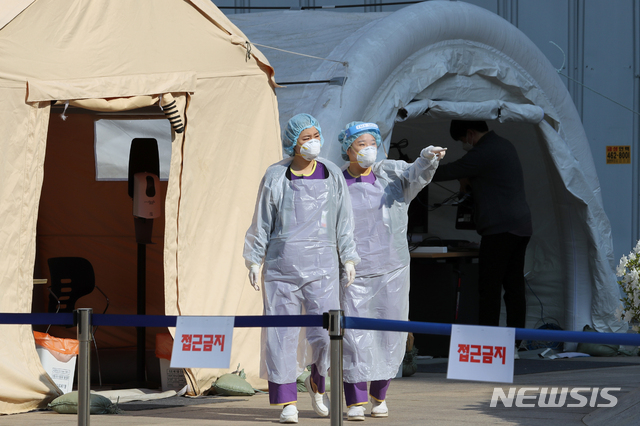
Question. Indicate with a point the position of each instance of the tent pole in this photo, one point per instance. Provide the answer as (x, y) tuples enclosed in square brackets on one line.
[(84, 329)]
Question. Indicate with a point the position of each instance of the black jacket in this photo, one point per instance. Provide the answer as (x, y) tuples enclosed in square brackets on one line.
[(497, 185)]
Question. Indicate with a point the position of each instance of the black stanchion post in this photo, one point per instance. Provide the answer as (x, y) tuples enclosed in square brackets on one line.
[(143, 179), (141, 332), (84, 364), (333, 323)]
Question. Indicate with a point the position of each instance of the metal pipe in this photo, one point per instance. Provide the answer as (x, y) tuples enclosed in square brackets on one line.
[(336, 334), (84, 365)]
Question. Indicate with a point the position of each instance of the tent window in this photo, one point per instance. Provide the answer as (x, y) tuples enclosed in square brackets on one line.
[(113, 142)]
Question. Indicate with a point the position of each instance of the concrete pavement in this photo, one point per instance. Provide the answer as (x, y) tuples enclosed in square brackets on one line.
[(422, 399)]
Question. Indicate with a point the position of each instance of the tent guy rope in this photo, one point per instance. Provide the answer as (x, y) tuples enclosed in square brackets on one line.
[(584, 85), (345, 63)]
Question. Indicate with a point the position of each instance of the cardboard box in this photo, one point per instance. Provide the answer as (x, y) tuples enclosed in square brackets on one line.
[(171, 378), (61, 373)]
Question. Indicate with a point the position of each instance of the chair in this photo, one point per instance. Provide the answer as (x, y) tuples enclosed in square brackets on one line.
[(72, 278)]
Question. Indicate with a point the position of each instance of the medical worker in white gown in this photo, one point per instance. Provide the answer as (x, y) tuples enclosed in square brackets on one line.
[(380, 196), (302, 230)]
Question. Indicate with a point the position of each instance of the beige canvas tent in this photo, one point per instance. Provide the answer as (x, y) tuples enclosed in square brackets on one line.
[(110, 56)]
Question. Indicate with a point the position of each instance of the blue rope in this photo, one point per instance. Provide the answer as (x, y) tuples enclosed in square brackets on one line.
[(391, 325), (133, 320), (316, 321), (279, 321), (157, 320), (37, 319), (239, 321), (521, 333)]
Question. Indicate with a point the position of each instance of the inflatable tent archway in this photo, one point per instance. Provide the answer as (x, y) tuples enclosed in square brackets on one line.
[(115, 55), (456, 60)]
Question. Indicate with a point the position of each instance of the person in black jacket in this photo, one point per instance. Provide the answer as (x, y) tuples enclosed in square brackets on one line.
[(491, 170)]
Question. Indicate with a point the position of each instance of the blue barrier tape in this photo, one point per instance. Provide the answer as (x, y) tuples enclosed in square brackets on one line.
[(239, 321), (521, 333), (158, 320), (391, 325), (629, 339), (133, 320), (36, 319), (279, 321)]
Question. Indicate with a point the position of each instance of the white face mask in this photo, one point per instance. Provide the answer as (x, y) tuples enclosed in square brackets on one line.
[(467, 146), (367, 156), (310, 149)]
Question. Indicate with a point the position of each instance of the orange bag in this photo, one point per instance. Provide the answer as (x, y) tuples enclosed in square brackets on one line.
[(164, 345), (62, 349)]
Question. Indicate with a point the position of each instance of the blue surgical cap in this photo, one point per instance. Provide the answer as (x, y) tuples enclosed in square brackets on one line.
[(353, 131), (295, 126)]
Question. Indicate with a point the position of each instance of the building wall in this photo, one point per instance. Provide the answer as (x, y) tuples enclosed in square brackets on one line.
[(601, 69)]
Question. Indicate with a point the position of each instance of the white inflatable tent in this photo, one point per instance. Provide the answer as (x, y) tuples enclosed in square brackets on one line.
[(112, 56), (413, 70)]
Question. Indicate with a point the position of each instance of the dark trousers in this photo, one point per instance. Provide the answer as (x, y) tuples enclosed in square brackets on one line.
[(501, 265)]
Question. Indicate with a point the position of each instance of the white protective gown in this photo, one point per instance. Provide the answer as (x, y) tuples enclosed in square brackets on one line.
[(381, 287), (302, 229)]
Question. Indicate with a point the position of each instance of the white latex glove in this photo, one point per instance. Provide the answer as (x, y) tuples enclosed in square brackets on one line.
[(432, 151), (350, 269), (253, 276)]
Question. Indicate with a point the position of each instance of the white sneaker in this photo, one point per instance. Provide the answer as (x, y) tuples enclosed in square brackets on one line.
[(356, 413), (289, 414), (515, 354), (319, 402), (379, 408)]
